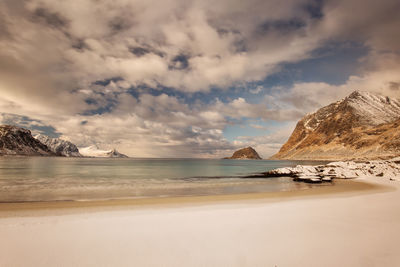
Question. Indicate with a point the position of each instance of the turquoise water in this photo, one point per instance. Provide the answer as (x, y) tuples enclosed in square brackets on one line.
[(54, 179)]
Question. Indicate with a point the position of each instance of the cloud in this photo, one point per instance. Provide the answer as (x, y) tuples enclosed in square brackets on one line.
[(36, 126), (257, 90), (380, 76), (139, 75), (148, 126), (195, 47), (257, 126), (374, 23), (240, 108)]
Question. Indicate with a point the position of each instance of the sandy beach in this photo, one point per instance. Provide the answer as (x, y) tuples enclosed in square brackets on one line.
[(354, 223)]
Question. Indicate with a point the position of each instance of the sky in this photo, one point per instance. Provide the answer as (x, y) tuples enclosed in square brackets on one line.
[(189, 78)]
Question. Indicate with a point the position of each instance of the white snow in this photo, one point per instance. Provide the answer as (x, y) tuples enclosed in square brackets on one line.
[(375, 108), (94, 151), (343, 170), (59, 146), (372, 108)]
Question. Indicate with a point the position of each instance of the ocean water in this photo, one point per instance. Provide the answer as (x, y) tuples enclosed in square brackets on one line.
[(56, 179)]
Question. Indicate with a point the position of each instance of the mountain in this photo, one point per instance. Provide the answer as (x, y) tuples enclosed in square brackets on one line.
[(19, 141), (361, 126), (59, 147), (94, 151), (245, 153)]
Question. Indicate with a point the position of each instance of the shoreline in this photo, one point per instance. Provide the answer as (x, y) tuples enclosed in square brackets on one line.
[(341, 188), (355, 224)]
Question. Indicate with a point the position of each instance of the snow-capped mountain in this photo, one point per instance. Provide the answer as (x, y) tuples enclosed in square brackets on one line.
[(361, 126), (94, 151), (19, 141), (374, 109), (59, 147)]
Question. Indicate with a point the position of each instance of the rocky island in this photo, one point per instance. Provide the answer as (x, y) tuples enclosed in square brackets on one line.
[(245, 153), (115, 154)]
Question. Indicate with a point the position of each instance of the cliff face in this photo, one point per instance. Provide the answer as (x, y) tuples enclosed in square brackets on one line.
[(59, 147), (361, 126), (19, 141), (245, 153)]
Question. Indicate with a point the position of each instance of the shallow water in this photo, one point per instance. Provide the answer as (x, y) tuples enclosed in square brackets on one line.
[(54, 179)]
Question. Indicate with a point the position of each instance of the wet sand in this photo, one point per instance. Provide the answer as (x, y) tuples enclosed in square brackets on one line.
[(340, 188), (354, 223)]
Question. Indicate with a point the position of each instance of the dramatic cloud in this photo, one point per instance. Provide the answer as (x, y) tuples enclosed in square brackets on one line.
[(162, 78)]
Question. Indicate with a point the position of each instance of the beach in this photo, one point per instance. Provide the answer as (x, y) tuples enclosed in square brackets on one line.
[(345, 227)]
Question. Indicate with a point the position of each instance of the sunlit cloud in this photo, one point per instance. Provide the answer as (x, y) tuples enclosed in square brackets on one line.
[(155, 78)]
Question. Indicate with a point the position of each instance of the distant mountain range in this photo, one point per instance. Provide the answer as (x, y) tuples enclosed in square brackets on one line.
[(17, 141), (361, 126)]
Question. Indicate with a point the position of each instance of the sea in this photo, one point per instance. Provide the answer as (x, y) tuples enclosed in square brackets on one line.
[(31, 179)]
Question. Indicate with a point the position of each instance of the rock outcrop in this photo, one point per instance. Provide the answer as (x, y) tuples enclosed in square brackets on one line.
[(115, 154), (341, 170), (362, 126), (245, 153), (94, 151), (19, 141), (59, 147)]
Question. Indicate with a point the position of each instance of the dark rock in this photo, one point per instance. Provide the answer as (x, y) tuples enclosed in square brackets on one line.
[(245, 153), (19, 141)]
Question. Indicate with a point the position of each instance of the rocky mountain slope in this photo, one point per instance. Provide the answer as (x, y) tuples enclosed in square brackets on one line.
[(360, 126), (245, 153), (19, 141), (94, 151), (59, 147)]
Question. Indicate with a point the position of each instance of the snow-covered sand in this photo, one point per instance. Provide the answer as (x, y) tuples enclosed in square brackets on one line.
[(332, 230), (389, 169)]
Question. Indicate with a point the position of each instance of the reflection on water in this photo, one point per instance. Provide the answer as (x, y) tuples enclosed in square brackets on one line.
[(50, 179)]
